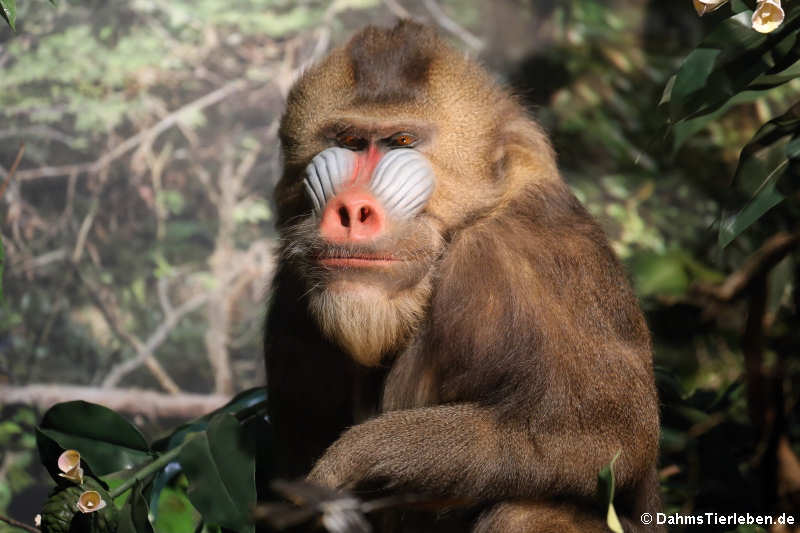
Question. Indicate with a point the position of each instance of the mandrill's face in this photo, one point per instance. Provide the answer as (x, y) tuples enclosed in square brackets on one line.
[(381, 170), (366, 246)]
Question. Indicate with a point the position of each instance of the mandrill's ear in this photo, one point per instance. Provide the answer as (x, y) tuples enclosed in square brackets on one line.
[(524, 157)]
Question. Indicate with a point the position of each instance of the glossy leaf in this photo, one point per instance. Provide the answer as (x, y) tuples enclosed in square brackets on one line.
[(732, 226), (770, 80), (244, 400), (752, 171), (176, 513), (685, 129), (731, 59), (605, 483), (133, 517), (8, 10), (221, 473), (254, 398), (105, 440), (708, 73), (768, 134)]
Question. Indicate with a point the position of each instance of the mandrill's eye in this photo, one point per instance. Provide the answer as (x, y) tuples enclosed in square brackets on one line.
[(402, 140), (351, 142)]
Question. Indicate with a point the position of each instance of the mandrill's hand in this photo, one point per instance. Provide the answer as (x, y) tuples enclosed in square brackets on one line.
[(403, 450), (366, 455)]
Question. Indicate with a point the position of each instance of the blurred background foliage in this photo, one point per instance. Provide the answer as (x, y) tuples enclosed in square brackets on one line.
[(138, 233)]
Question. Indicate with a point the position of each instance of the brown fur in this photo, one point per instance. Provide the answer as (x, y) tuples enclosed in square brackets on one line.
[(518, 362)]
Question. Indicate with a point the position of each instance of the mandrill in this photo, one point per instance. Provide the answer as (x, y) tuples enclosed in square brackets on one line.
[(446, 318)]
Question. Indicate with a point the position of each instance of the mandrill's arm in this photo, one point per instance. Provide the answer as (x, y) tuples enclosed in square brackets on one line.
[(463, 451)]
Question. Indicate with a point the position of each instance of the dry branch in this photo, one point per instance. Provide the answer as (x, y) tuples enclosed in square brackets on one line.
[(21, 525), (758, 264), (12, 170), (144, 355), (132, 142), (132, 401)]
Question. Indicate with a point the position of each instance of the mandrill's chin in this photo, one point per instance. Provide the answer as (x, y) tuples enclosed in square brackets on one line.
[(366, 321)]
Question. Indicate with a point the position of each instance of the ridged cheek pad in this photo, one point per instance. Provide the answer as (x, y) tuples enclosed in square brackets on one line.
[(402, 181)]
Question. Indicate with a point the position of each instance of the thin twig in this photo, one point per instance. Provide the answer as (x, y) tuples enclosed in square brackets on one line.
[(132, 142), (759, 263), (396, 9), (145, 350), (10, 174), (452, 26), (21, 525), (144, 354)]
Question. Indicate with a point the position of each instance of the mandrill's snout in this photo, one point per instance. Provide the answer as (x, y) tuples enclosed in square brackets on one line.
[(352, 216), (354, 199)]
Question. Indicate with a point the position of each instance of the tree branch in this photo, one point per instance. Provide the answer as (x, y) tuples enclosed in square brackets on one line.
[(144, 355), (452, 26), (12, 170), (758, 264), (129, 144), (132, 401), (18, 524), (145, 351)]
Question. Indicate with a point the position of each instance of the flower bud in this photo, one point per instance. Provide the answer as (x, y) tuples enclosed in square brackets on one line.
[(69, 463), (90, 501), (767, 16), (707, 6)]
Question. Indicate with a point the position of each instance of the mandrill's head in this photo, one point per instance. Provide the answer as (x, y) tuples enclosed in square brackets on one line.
[(392, 145)]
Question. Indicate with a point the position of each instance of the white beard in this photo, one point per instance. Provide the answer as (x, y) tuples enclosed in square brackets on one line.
[(364, 321)]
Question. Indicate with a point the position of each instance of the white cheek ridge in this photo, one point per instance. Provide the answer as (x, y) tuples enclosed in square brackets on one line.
[(403, 179), (313, 195), (325, 174), (415, 197)]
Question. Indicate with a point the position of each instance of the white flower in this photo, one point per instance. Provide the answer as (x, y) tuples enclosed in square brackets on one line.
[(90, 501), (69, 463), (707, 6), (767, 16)]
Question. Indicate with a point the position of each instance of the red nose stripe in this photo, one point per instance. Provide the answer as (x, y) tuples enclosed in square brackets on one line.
[(365, 166)]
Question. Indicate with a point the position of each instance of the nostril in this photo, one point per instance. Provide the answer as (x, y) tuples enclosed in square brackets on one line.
[(363, 214), (344, 216)]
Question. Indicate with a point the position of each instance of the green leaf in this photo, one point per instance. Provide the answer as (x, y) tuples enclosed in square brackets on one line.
[(105, 440), (657, 273), (768, 81), (8, 10), (221, 473), (685, 129), (751, 171), (767, 135), (245, 400), (732, 226), (691, 78), (605, 486), (733, 58), (133, 517), (241, 404), (176, 513), (712, 70)]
